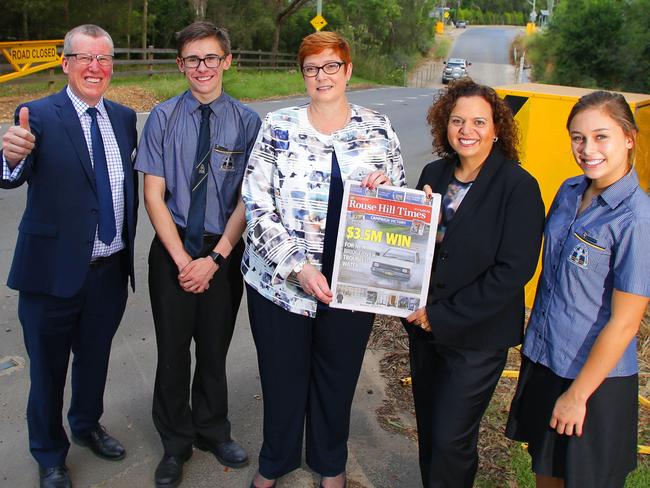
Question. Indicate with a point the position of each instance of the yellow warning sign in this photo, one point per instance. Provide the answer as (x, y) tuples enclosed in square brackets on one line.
[(22, 55), (318, 22)]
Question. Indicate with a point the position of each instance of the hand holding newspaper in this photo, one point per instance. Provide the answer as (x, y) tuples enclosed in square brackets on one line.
[(384, 249)]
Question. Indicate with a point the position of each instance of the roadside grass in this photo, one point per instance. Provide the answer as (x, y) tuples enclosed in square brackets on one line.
[(142, 92), (442, 47), (250, 85)]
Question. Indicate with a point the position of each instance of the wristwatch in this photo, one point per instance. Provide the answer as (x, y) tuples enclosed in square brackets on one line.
[(298, 267), (217, 258)]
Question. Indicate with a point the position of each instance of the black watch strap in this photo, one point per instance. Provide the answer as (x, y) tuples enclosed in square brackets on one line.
[(217, 258)]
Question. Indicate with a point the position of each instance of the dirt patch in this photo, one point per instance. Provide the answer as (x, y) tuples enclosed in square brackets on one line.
[(397, 414), (138, 99)]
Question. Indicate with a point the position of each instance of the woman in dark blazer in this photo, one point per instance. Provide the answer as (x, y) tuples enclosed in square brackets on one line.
[(487, 249)]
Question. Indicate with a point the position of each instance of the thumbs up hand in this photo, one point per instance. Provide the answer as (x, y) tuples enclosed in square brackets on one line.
[(18, 142)]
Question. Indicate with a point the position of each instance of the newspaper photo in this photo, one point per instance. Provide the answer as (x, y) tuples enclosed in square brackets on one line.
[(384, 249)]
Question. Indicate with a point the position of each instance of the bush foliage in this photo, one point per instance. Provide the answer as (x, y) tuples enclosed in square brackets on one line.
[(596, 44)]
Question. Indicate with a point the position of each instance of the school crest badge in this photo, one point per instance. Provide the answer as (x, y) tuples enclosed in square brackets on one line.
[(579, 256)]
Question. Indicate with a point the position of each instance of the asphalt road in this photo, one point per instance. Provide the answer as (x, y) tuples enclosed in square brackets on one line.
[(487, 48), (377, 458)]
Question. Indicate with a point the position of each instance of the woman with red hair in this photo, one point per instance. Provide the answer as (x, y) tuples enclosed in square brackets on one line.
[(309, 354)]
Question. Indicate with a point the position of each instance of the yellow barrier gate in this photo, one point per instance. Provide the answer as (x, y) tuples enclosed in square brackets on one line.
[(27, 57), (545, 147)]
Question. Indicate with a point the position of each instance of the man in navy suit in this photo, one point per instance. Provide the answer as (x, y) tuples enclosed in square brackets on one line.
[(74, 253)]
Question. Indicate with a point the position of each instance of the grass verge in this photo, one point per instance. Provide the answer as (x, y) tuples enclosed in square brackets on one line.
[(142, 92), (442, 47)]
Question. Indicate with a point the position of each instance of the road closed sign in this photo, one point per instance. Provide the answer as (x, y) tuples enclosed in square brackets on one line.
[(27, 57), (33, 54)]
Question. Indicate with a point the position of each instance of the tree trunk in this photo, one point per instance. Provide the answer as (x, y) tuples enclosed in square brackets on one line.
[(25, 18), (283, 15), (145, 5), (128, 29), (199, 7)]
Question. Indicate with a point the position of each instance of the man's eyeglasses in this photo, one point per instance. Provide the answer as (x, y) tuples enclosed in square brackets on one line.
[(210, 61), (87, 58), (330, 68)]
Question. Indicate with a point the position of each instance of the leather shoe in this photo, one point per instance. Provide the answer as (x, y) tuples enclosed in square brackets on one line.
[(229, 453), (56, 477), (169, 472), (101, 444)]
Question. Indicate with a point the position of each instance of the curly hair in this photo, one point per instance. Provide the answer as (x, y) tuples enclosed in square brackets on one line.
[(504, 123)]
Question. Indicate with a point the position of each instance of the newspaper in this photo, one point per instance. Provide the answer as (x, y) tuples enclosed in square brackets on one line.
[(384, 249)]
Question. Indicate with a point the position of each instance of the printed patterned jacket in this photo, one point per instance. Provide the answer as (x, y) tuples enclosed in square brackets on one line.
[(286, 189)]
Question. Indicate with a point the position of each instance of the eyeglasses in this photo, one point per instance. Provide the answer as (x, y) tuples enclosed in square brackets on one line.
[(330, 68), (87, 58), (210, 61)]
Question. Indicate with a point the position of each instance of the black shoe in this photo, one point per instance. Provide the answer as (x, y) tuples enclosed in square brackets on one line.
[(229, 453), (101, 444), (56, 477), (169, 472)]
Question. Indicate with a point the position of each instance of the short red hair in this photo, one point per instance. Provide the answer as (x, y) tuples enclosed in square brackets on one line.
[(319, 41)]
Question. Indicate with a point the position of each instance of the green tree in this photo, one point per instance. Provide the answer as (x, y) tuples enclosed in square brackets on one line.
[(637, 47), (597, 44)]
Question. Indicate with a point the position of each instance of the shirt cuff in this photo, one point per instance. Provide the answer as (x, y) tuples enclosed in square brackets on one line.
[(7, 173)]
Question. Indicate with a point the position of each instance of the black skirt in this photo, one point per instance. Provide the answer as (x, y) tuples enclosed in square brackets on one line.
[(606, 451)]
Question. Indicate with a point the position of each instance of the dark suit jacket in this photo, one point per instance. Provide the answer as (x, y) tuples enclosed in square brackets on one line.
[(488, 253), (56, 233)]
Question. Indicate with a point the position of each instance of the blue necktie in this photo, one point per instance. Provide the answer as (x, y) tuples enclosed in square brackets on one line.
[(196, 214), (106, 225)]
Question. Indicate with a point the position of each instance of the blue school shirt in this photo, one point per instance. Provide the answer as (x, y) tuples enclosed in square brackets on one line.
[(585, 258), (168, 148)]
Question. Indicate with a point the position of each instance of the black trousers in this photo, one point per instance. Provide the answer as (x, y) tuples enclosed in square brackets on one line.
[(207, 318), (452, 387), (83, 324), (309, 369)]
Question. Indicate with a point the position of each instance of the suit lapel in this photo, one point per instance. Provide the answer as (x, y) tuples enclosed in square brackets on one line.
[(478, 189), (441, 184), (72, 126)]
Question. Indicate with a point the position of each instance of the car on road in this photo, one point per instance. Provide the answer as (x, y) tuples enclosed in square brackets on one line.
[(395, 263), (461, 24), (455, 68)]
